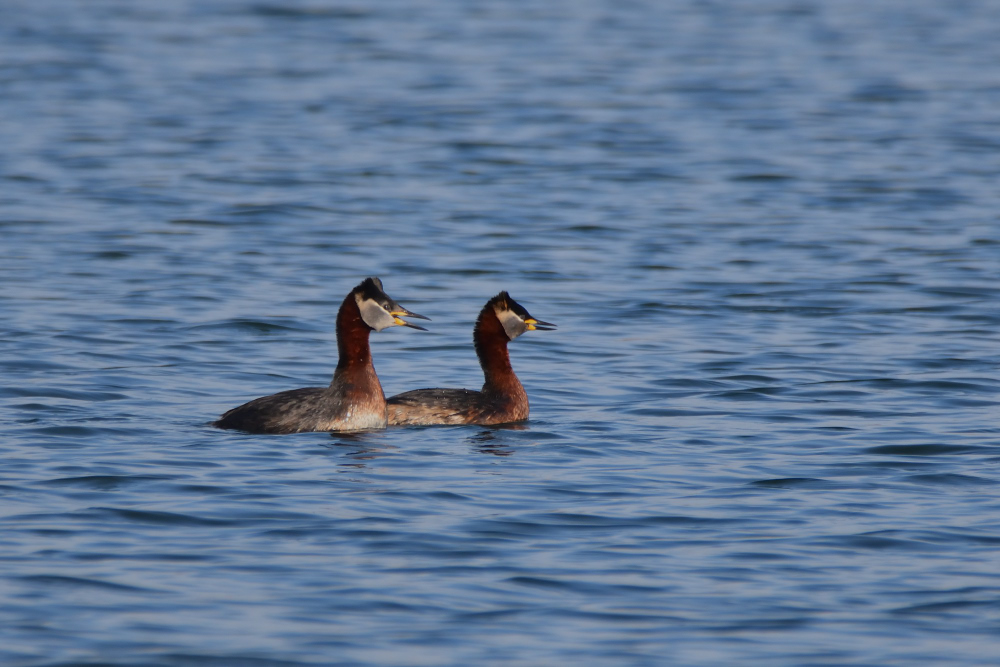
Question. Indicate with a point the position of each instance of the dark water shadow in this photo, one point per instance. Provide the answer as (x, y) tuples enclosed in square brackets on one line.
[(358, 447), (491, 440)]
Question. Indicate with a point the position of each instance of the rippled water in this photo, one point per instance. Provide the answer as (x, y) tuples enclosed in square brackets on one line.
[(765, 431)]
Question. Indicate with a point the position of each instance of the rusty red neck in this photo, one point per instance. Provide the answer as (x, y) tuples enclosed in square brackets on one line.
[(491, 341), (352, 336)]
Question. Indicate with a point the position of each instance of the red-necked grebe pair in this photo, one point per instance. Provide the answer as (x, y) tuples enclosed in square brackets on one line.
[(354, 401)]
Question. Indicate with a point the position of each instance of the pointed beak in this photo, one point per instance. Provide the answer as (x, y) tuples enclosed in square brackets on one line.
[(403, 323), (538, 325)]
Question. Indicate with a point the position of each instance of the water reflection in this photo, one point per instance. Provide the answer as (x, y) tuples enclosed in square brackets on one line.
[(362, 446), (491, 439)]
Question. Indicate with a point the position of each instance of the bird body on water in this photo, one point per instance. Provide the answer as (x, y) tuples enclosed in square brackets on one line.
[(354, 400), (502, 398)]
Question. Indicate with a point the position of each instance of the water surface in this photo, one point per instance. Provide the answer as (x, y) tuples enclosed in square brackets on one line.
[(765, 431)]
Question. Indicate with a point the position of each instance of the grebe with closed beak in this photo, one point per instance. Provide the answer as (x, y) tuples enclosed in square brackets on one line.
[(502, 398)]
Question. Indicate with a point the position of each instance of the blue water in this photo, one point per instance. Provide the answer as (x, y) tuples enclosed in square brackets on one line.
[(766, 431)]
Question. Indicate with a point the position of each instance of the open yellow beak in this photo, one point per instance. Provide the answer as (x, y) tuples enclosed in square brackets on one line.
[(403, 323), (538, 325)]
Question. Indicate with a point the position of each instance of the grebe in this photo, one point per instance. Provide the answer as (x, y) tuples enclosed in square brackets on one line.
[(502, 398), (354, 400)]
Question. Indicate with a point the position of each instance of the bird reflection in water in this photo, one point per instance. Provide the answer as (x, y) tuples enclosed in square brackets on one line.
[(357, 447), (491, 440)]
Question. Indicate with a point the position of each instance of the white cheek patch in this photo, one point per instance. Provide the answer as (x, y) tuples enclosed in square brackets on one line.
[(512, 324), (374, 315)]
